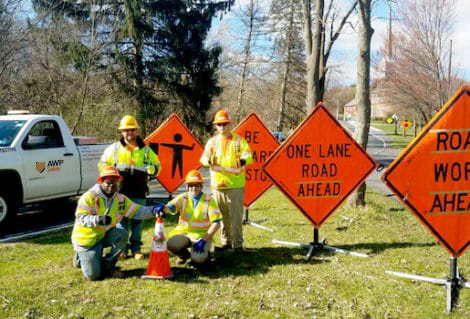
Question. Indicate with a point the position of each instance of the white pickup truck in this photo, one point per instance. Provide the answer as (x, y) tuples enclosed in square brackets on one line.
[(40, 161)]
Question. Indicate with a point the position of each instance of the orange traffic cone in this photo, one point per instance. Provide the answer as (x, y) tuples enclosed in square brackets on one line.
[(159, 264)]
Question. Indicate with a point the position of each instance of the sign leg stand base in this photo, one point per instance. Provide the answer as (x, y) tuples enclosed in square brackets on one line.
[(246, 221), (317, 245), (453, 284)]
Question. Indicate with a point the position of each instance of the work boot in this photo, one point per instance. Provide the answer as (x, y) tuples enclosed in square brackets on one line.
[(138, 255), (182, 257), (223, 247), (180, 261)]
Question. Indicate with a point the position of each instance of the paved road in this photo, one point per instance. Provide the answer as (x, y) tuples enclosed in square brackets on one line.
[(60, 215), (39, 218), (378, 147)]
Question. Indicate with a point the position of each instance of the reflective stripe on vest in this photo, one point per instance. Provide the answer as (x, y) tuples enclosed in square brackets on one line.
[(225, 169), (131, 167), (201, 223), (120, 208), (89, 236), (230, 170)]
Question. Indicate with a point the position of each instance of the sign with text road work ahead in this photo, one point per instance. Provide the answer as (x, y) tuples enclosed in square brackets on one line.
[(178, 150), (319, 165), (262, 144), (432, 175)]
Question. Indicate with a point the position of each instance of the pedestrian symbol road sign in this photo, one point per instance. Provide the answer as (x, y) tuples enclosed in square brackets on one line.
[(178, 151), (262, 144), (432, 175), (319, 165)]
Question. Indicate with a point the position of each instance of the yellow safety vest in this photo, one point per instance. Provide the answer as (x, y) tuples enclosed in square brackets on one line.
[(195, 221), (93, 204), (132, 165), (226, 170)]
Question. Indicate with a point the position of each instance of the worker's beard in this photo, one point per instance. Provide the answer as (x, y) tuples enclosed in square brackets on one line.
[(109, 189)]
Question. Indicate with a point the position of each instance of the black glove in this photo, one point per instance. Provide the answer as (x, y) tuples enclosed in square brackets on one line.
[(104, 220), (242, 162)]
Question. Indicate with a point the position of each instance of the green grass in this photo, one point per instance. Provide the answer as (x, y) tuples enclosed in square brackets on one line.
[(398, 140), (267, 281)]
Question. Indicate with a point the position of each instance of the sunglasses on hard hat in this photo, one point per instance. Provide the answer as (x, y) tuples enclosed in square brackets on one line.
[(222, 124)]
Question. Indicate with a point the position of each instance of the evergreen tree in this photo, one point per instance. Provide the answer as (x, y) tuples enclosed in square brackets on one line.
[(154, 50)]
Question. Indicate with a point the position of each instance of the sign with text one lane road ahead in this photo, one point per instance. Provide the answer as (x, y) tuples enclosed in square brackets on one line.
[(319, 165), (432, 175), (262, 144)]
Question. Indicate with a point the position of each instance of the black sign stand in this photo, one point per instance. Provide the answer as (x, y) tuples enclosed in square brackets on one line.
[(452, 284), (317, 245), (246, 221)]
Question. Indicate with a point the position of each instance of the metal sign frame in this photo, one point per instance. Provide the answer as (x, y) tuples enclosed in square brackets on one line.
[(403, 156), (321, 107), (316, 244), (454, 282)]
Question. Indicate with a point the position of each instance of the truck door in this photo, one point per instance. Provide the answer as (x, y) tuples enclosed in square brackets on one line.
[(51, 167)]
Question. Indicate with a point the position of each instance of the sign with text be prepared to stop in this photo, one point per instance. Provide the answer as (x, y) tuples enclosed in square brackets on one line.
[(262, 144), (178, 151), (432, 175), (319, 165)]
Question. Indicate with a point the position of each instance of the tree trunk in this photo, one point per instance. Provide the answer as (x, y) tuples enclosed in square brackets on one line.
[(285, 77), (314, 51), (246, 60), (361, 132)]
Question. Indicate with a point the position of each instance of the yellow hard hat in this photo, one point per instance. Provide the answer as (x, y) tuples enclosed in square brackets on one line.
[(193, 177), (128, 122), (109, 171), (221, 117)]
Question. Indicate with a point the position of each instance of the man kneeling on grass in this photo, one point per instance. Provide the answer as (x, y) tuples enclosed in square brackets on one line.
[(98, 212), (198, 222)]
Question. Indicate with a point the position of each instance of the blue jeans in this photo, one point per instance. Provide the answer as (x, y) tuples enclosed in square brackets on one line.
[(91, 259), (136, 225)]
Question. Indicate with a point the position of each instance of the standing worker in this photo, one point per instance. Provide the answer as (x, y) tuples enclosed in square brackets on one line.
[(98, 212), (136, 162), (227, 154), (198, 222)]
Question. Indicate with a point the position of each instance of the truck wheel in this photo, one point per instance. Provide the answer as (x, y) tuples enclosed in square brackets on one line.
[(8, 208)]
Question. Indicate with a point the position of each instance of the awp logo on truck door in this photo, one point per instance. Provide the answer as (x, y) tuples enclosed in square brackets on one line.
[(40, 166), (51, 166)]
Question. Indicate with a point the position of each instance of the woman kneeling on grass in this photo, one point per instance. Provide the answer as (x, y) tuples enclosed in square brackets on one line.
[(98, 212), (198, 222)]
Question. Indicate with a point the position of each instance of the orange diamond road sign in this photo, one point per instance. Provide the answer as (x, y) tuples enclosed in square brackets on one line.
[(319, 165), (432, 175), (262, 144), (178, 151), (406, 124)]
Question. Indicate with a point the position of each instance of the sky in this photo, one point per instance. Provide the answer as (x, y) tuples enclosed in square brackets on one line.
[(344, 53)]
